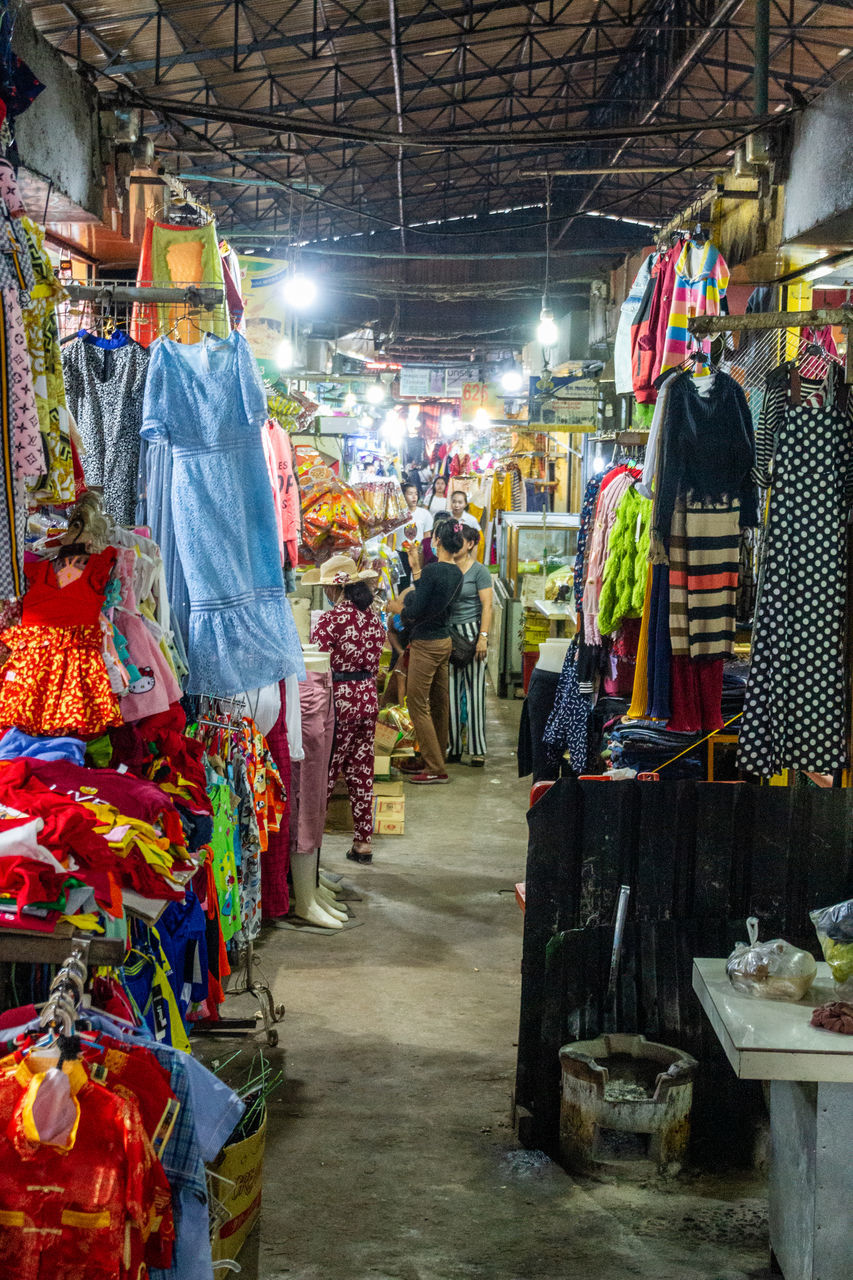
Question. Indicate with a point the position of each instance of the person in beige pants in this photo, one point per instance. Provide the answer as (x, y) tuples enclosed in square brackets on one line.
[(425, 609)]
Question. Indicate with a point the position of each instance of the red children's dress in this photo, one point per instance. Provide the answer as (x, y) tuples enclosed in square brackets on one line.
[(55, 680)]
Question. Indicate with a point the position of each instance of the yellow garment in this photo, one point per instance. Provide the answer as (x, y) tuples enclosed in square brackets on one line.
[(188, 255), (640, 692), (42, 334)]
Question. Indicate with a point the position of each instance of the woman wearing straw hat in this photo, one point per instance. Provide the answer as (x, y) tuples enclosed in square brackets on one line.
[(353, 637)]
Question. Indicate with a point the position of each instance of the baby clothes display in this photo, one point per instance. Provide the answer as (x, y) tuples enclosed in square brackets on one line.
[(207, 401), (55, 680), (105, 384)]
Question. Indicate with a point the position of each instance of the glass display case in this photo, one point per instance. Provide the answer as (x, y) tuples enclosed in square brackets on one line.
[(530, 546), (535, 543)]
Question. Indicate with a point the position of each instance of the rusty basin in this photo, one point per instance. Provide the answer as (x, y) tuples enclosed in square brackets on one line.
[(625, 1106)]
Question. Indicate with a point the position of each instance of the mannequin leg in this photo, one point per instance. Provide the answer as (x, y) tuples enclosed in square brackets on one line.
[(327, 883), (303, 869)]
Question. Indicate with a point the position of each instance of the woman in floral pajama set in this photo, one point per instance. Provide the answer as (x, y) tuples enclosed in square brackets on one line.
[(353, 636)]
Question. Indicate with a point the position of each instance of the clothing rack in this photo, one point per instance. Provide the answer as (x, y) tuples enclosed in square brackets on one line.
[(818, 318), (66, 990), (206, 297), (231, 709)]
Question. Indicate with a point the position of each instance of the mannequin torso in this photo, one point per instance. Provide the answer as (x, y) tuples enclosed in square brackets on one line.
[(552, 655)]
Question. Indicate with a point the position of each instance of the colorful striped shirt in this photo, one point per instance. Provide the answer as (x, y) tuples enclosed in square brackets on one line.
[(697, 294)]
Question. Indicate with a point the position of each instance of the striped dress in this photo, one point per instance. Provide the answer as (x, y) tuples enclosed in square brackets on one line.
[(704, 493)]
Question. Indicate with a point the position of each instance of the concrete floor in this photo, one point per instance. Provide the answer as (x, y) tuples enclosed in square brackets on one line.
[(389, 1153)]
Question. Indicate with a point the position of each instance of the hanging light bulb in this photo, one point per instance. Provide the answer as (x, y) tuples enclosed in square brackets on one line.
[(375, 393), (392, 427), (448, 424), (366, 422), (284, 354), (547, 334), (598, 462), (299, 291), (512, 381), (482, 421), (349, 402)]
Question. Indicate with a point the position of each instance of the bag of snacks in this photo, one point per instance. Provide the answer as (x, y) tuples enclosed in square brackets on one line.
[(834, 927), (773, 970)]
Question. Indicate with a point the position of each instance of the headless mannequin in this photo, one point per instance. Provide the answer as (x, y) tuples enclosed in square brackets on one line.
[(311, 902), (552, 655)]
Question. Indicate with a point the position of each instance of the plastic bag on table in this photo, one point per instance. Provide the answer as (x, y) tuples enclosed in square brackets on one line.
[(773, 970), (834, 928)]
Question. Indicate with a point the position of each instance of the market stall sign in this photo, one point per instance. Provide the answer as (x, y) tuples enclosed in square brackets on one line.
[(481, 395), (568, 400), (422, 380)]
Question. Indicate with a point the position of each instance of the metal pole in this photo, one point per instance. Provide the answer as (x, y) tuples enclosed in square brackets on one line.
[(761, 74)]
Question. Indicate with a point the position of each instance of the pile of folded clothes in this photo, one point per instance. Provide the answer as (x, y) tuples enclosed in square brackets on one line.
[(643, 746)]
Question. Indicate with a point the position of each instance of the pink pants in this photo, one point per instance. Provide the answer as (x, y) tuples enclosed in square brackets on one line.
[(309, 776), (353, 757)]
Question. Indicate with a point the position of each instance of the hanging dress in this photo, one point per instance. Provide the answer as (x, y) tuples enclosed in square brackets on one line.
[(55, 681), (207, 400), (105, 382), (795, 709)]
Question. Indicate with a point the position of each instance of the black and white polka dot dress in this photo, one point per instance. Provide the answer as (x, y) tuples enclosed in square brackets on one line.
[(795, 711)]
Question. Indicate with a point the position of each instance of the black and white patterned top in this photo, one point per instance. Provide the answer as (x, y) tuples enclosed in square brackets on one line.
[(105, 387)]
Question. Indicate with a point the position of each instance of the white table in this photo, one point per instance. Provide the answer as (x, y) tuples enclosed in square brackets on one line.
[(811, 1117), (557, 613)]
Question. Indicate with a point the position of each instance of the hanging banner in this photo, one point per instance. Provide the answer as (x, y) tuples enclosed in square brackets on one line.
[(481, 395), (569, 400), (419, 381)]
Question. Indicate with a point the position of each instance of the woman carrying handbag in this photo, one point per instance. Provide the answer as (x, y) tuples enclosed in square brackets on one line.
[(470, 619)]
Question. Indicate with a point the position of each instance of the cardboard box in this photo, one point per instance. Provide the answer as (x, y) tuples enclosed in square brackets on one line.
[(242, 1163), (381, 787), (389, 815), (385, 739), (382, 767), (389, 806), (338, 815), (389, 827)]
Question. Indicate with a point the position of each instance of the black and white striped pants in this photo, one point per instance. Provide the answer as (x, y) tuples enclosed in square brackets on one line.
[(471, 681)]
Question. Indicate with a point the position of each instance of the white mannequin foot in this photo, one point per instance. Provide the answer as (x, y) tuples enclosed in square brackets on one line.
[(327, 900), (330, 885), (313, 913), (331, 910), (306, 905)]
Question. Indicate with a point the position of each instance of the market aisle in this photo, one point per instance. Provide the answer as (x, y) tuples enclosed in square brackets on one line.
[(389, 1153)]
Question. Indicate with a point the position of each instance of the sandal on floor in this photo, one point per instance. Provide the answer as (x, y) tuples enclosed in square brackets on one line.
[(354, 856), (477, 762)]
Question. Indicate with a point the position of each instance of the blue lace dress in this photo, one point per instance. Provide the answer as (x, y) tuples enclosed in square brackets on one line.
[(207, 401)]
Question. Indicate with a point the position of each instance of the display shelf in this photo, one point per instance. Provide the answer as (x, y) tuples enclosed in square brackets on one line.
[(20, 946)]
